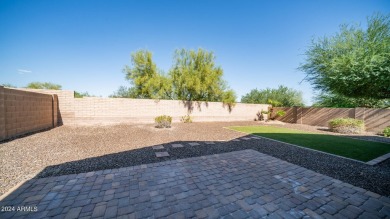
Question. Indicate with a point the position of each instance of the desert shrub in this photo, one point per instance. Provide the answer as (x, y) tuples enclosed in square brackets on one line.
[(163, 121), (281, 113), (186, 119), (261, 115), (264, 112), (386, 131), (346, 125)]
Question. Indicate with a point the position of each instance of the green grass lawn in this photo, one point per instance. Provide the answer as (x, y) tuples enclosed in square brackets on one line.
[(342, 146)]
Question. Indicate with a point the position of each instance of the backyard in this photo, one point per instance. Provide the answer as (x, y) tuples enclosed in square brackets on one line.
[(195, 109), (79, 149)]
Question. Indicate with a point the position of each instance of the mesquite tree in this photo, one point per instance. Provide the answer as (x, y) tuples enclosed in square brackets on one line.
[(354, 63)]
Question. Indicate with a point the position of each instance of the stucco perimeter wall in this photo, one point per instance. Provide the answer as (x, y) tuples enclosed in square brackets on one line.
[(375, 119), (65, 113), (94, 110), (22, 112)]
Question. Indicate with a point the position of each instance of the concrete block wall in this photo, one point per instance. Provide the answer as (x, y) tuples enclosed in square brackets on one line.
[(3, 130), (23, 112), (95, 110), (65, 112)]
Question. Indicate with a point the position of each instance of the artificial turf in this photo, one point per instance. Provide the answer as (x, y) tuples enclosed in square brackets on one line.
[(338, 145)]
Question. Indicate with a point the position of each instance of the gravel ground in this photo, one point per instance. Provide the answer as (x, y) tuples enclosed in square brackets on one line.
[(23, 158), (67, 149)]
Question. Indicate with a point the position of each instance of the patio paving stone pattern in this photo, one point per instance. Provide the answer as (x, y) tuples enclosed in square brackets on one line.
[(241, 184)]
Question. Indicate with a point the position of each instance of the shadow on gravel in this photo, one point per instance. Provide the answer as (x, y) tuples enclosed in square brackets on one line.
[(140, 156), (26, 135)]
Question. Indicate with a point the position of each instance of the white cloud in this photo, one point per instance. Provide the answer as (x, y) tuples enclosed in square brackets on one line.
[(23, 71)]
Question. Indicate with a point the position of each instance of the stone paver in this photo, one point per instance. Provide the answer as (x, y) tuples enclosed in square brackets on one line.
[(238, 184), (379, 159), (209, 142), (193, 144), (177, 145), (158, 147), (162, 154)]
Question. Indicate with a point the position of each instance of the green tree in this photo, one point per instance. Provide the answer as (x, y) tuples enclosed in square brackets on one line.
[(124, 92), (146, 79), (195, 77), (337, 100), (353, 63), (44, 85), (8, 85), (82, 94), (282, 96)]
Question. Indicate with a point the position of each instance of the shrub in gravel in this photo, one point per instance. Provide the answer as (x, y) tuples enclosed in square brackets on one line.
[(163, 121), (386, 131), (346, 125), (186, 119)]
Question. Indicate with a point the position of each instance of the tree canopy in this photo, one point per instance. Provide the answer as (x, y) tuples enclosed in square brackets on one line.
[(8, 85), (195, 77), (337, 100), (147, 80), (282, 96), (82, 94), (354, 63), (124, 92), (44, 85)]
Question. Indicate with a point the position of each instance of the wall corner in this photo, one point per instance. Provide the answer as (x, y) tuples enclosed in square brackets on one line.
[(55, 110), (3, 133)]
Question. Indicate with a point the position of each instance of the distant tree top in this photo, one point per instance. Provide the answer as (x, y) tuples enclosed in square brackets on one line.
[(8, 85), (82, 94), (282, 96), (44, 85)]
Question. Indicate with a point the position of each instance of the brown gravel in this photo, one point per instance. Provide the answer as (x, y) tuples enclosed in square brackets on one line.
[(24, 158)]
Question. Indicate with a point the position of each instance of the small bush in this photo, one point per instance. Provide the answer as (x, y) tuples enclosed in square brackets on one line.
[(346, 125), (163, 121), (386, 131), (186, 119), (280, 113), (264, 112)]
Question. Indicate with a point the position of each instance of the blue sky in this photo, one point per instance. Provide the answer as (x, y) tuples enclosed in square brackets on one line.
[(84, 45)]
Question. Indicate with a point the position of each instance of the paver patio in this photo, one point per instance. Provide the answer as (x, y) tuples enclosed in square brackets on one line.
[(238, 184)]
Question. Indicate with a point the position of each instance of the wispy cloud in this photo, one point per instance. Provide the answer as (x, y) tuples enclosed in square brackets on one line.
[(23, 71)]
